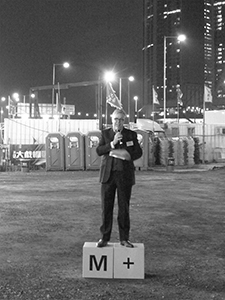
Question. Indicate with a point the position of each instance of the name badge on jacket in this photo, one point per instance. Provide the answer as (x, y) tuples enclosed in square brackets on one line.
[(130, 143)]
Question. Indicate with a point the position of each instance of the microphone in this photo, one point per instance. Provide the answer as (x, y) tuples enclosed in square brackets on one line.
[(120, 142), (116, 129)]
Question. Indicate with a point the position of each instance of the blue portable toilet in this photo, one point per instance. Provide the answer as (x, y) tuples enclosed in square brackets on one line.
[(55, 155), (92, 160), (74, 151)]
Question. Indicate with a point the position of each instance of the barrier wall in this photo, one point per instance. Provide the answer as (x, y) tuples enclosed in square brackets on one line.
[(76, 151), (35, 131), (182, 150), (214, 138), (30, 131)]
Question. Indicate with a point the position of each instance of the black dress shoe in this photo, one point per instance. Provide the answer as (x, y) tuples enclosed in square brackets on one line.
[(127, 244), (101, 243)]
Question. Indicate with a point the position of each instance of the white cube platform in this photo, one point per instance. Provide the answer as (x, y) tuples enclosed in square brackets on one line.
[(113, 261), (97, 262), (129, 262)]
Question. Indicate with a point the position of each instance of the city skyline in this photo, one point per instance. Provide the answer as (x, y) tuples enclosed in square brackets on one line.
[(95, 37), (198, 61)]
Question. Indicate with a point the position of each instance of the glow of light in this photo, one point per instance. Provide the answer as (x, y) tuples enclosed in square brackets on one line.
[(3, 99), (181, 37), (109, 76), (66, 65), (79, 113), (16, 97), (131, 78)]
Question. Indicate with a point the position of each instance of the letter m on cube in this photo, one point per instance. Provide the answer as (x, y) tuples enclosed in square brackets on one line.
[(93, 261), (97, 262)]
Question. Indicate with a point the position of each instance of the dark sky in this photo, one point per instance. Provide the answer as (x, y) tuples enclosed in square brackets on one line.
[(93, 35)]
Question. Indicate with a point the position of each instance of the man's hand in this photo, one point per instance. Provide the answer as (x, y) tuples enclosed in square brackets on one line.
[(117, 138)]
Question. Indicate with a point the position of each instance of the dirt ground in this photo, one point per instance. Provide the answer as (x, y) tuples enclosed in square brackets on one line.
[(45, 218)]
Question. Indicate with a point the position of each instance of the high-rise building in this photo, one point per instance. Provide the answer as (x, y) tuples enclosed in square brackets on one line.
[(208, 43), (218, 18), (199, 60)]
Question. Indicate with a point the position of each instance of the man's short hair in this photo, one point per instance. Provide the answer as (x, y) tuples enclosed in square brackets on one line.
[(119, 111)]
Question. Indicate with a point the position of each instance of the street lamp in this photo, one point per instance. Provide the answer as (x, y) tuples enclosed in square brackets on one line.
[(16, 97), (129, 79), (1, 114), (135, 108), (13, 109), (109, 76), (3, 99), (65, 65), (180, 38)]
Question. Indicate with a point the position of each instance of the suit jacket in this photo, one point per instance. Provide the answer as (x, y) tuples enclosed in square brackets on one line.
[(130, 143)]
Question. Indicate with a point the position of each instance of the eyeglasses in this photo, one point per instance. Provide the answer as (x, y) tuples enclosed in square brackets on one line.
[(119, 119)]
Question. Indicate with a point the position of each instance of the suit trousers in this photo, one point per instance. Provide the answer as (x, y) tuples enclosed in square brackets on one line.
[(117, 182)]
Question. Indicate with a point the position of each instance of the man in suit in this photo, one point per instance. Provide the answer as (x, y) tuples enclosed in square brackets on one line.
[(118, 148)]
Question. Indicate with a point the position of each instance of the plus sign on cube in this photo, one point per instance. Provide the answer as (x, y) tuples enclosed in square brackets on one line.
[(97, 262), (129, 262)]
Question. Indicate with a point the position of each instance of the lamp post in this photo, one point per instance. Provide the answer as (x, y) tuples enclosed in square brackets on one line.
[(65, 65), (129, 79), (135, 108), (180, 38), (3, 99), (108, 77), (16, 98)]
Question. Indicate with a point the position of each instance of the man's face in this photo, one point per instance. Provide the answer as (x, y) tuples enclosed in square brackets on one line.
[(118, 121)]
